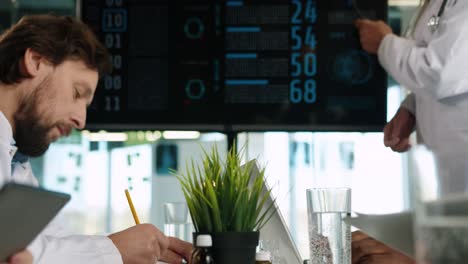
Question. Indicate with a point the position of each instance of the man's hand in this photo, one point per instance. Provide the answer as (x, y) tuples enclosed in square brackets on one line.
[(367, 250), (371, 33), (23, 257), (398, 130), (140, 244), (178, 250)]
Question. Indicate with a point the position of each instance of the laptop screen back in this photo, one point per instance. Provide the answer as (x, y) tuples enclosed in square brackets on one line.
[(276, 229)]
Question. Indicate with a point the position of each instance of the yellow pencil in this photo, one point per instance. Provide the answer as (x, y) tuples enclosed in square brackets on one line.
[(130, 203)]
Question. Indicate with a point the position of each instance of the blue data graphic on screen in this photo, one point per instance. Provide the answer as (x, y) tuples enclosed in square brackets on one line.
[(237, 65)]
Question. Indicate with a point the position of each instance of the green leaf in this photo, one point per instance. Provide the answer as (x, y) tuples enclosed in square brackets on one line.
[(222, 195)]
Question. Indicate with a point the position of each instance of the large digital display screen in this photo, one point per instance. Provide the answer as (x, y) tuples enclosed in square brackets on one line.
[(237, 65)]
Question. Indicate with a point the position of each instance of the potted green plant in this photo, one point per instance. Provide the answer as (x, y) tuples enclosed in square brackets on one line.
[(229, 201)]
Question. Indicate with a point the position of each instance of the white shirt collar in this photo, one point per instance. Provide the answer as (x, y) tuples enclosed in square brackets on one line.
[(6, 133)]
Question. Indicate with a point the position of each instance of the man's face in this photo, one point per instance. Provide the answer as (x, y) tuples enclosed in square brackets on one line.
[(55, 106)]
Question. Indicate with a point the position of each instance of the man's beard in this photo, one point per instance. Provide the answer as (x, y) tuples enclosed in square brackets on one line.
[(31, 135)]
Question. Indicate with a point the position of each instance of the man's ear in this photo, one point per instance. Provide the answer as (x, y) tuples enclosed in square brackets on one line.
[(31, 63)]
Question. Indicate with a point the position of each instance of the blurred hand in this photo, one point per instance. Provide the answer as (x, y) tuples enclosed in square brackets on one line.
[(367, 250), (371, 33), (23, 257), (140, 244), (398, 130), (178, 250)]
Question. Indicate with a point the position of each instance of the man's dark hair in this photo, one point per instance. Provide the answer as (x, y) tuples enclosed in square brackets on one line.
[(57, 38)]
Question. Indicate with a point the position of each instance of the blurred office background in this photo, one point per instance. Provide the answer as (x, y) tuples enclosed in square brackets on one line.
[(96, 167)]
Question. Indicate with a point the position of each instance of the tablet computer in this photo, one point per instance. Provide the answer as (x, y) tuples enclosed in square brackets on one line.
[(25, 211)]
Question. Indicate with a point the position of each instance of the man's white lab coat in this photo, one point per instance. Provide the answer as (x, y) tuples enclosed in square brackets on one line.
[(54, 245), (434, 67)]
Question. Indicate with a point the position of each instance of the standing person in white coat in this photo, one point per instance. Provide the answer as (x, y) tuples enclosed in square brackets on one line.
[(49, 69), (433, 65)]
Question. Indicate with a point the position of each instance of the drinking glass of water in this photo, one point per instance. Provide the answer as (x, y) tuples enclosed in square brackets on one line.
[(177, 221), (440, 188), (329, 235)]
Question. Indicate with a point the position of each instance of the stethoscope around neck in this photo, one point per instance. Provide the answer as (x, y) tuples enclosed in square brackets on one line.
[(434, 21)]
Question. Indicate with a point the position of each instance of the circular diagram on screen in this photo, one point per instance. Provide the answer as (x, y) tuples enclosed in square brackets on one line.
[(352, 67)]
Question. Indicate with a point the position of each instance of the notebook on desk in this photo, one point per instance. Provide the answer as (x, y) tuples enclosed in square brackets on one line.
[(397, 229), (276, 229)]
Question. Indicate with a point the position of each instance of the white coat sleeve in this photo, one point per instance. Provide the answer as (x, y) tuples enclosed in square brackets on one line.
[(56, 245), (409, 103), (53, 246), (440, 68)]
